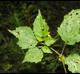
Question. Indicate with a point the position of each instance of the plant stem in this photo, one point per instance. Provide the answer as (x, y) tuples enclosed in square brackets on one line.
[(55, 51), (56, 36), (64, 67), (63, 49), (57, 45), (59, 55)]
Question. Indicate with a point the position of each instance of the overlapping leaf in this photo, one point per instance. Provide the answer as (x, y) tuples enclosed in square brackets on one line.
[(69, 29), (49, 40), (33, 55), (73, 62), (26, 38)]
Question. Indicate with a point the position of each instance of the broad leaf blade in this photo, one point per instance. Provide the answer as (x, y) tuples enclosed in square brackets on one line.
[(26, 38), (73, 62), (69, 29), (33, 55), (40, 27)]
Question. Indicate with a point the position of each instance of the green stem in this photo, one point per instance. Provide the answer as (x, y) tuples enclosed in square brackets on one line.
[(55, 51), (64, 67), (63, 49), (56, 36), (60, 55)]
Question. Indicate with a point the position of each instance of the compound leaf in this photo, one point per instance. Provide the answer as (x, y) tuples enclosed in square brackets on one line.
[(33, 55)]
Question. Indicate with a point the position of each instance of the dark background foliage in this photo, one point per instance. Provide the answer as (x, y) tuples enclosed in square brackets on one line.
[(10, 54)]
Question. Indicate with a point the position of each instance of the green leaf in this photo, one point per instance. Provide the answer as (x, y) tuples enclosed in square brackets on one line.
[(45, 49), (26, 38), (49, 40), (73, 62), (40, 27), (69, 29), (33, 55)]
